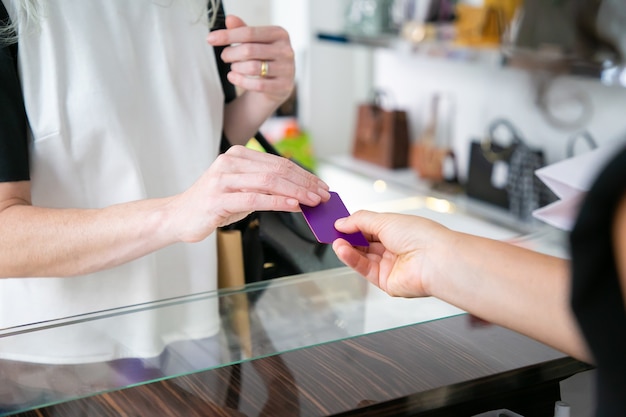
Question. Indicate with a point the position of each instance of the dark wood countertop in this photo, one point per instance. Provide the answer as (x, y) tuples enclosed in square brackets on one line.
[(451, 366)]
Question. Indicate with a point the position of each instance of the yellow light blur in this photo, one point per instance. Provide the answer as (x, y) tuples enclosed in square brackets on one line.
[(397, 206), (439, 205), (380, 186), (412, 204)]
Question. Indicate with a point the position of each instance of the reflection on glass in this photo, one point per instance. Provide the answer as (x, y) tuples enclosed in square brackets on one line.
[(289, 313), (440, 205)]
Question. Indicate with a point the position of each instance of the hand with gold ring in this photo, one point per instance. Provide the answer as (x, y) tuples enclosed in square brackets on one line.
[(261, 58)]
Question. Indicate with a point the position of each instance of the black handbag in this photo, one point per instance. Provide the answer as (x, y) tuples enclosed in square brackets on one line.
[(275, 244), (516, 188)]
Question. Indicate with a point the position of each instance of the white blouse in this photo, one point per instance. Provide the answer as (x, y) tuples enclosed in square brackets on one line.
[(124, 102)]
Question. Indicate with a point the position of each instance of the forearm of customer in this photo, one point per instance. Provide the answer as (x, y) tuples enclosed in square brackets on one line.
[(244, 115), (42, 242), (511, 286)]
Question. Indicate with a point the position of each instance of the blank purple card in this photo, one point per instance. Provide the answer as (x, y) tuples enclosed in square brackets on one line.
[(321, 220)]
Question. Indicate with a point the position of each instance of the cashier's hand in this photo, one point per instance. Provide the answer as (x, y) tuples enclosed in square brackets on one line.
[(399, 258), (240, 181), (261, 58)]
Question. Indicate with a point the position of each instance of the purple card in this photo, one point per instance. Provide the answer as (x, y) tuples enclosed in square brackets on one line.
[(321, 220)]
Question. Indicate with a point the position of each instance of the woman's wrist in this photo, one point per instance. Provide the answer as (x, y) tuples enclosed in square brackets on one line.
[(437, 268), (244, 115)]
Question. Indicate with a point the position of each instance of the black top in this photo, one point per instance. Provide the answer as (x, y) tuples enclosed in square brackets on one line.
[(13, 142), (596, 293)]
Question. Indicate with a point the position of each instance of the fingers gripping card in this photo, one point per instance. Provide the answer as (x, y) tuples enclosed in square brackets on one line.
[(321, 220)]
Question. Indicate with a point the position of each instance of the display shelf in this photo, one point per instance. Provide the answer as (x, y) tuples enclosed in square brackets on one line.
[(438, 49), (611, 75)]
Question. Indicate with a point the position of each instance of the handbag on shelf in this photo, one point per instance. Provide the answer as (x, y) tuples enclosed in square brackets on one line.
[(273, 244), (381, 136), (505, 175), (431, 156)]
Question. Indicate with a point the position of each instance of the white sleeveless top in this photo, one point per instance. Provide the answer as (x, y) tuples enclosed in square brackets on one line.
[(124, 102)]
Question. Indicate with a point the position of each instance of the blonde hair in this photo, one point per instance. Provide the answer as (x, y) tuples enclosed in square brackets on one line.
[(28, 11), (213, 8), (32, 11)]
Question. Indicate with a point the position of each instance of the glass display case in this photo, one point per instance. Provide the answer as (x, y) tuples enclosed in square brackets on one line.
[(286, 314), (306, 324)]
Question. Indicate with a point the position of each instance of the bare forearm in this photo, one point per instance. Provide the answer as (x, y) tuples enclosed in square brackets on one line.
[(40, 242), (244, 116), (513, 287)]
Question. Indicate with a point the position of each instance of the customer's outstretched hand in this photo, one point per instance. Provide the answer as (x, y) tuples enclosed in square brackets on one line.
[(399, 258)]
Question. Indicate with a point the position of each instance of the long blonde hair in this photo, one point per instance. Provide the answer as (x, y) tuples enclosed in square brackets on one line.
[(32, 11), (28, 11)]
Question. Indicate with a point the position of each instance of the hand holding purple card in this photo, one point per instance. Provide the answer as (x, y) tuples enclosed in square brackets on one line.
[(321, 219)]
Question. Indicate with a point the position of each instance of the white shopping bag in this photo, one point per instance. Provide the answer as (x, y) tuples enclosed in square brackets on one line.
[(570, 180)]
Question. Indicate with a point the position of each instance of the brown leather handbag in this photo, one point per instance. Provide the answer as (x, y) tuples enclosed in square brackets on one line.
[(381, 136)]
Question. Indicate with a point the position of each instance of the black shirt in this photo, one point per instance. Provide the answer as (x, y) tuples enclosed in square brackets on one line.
[(596, 293), (13, 138)]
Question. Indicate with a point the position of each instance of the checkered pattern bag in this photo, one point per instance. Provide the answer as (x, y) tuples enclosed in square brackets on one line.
[(520, 191)]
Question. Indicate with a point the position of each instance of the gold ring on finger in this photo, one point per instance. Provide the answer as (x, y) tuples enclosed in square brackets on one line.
[(265, 68)]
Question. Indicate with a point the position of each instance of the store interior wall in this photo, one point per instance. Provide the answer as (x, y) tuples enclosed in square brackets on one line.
[(334, 78), (484, 91), (253, 12)]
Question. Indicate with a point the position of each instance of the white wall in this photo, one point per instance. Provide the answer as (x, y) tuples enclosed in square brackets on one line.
[(336, 78), (253, 12), (333, 78), (483, 92), (339, 76), (293, 16)]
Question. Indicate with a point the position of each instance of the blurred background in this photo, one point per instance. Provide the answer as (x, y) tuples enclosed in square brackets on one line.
[(464, 59)]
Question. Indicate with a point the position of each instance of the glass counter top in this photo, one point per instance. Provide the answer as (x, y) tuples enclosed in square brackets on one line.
[(362, 185), (257, 321)]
